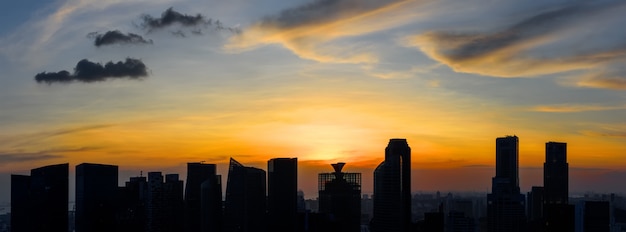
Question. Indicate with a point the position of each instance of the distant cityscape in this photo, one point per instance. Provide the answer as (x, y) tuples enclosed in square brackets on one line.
[(257, 200)]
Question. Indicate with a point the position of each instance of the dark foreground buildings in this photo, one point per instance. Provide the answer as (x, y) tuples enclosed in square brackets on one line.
[(340, 199), (244, 208), (39, 202), (505, 204), (392, 189), (203, 198), (558, 214), (282, 194), (96, 197)]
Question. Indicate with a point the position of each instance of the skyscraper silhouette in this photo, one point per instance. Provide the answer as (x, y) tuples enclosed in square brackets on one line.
[(340, 199), (505, 204), (197, 174), (164, 203), (558, 214), (133, 199), (39, 201), (555, 173), (96, 192), (392, 189), (245, 199), (282, 188)]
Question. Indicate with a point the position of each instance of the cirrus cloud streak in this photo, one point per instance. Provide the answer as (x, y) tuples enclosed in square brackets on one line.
[(309, 29), (542, 44)]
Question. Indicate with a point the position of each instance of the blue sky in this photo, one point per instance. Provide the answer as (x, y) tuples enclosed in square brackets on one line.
[(325, 81)]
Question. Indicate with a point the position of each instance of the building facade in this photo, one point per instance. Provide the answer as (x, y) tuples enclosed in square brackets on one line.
[(392, 189), (340, 199), (506, 207), (282, 194)]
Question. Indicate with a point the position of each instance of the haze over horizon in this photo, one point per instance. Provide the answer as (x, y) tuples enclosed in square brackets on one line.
[(152, 85)]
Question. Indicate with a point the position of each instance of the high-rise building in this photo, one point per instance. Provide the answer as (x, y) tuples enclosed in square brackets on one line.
[(96, 193), (282, 188), (164, 203), (133, 200), (39, 202), (21, 207), (245, 199), (534, 212), (555, 173), (154, 206), (211, 204), (392, 189), (340, 199), (505, 204), (173, 204), (197, 174), (559, 216)]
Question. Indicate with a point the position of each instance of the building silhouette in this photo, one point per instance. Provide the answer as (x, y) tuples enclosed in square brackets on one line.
[(245, 208), (340, 199), (593, 216), (211, 204), (558, 214), (392, 189), (199, 206), (505, 204), (39, 202), (164, 205), (173, 204), (282, 188), (132, 213), (96, 197), (534, 212), (555, 173)]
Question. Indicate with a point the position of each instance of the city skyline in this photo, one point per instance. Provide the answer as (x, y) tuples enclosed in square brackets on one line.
[(153, 85), (222, 170), (157, 203)]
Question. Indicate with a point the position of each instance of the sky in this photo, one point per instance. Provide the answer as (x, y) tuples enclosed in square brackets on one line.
[(150, 85)]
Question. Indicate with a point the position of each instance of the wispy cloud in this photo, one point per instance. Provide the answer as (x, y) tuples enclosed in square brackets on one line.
[(117, 37), (534, 46), (7, 158), (615, 79), (21, 141), (606, 130), (307, 30), (570, 108)]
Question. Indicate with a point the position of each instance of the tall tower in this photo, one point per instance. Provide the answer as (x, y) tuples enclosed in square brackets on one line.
[(41, 197), (559, 215), (196, 203), (245, 199), (505, 204), (392, 189), (282, 188), (507, 163), (340, 199), (555, 173), (96, 190)]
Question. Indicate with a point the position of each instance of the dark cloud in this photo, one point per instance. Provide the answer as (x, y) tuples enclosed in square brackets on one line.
[(170, 18), (117, 37), (87, 71)]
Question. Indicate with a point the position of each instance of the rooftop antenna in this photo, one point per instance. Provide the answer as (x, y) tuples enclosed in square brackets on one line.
[(140, 173)]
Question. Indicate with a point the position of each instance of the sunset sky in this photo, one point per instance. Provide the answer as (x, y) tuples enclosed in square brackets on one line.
[(322, 80)]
